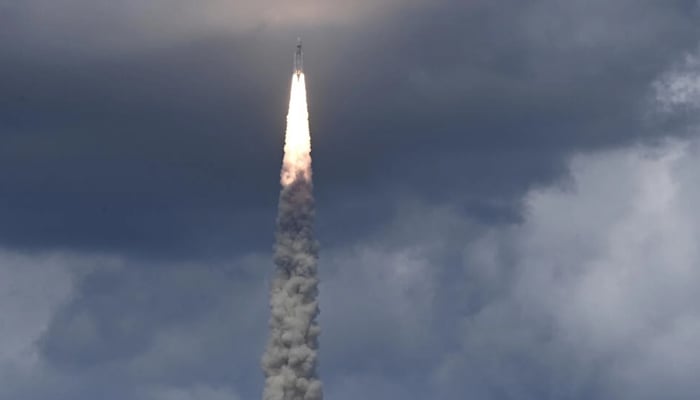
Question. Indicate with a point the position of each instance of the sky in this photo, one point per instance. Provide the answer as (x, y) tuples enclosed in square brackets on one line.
[(506, 196)]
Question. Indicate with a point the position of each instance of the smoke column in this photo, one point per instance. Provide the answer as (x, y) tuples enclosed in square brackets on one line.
[(290, 359)]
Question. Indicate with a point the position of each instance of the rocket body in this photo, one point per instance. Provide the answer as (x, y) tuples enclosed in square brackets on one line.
[(298, 60)]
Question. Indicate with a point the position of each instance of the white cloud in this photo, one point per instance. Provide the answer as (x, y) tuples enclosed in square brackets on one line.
[(679, 88), (603, 286)]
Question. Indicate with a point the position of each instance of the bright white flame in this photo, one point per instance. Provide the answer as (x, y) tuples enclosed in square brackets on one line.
[(297, 141)]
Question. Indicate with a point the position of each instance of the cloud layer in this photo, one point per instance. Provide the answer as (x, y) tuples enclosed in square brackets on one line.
[(593, 295), (510, 187)]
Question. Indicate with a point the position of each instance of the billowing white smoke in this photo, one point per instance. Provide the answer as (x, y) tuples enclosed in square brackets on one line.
[(290, 359)]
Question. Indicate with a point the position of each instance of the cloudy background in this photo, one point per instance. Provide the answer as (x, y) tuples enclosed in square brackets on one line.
[(507, 196)]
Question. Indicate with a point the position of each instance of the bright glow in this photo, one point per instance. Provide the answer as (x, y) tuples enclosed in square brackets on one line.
[(297, 141)]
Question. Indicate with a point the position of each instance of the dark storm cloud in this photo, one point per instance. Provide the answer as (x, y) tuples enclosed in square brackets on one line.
[(496, 93), (138, 153), (115, 137)]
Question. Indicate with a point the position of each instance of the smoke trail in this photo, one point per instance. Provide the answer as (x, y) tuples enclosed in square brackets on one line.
[(290, 359)]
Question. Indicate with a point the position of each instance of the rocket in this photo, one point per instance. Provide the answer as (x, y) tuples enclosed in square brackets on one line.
[(298, 59)]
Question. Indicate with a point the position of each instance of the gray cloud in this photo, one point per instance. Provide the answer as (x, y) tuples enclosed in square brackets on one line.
[(600, 300), (121, 330), (30, 289)]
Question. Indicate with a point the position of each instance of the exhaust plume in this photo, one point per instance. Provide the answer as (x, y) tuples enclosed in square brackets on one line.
[(290, 359)]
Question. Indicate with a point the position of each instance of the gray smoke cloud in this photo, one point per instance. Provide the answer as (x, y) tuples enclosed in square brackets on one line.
[(290, 360)]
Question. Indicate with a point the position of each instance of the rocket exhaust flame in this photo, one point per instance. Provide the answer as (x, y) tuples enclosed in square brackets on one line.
[(297, 141), (290, 359)]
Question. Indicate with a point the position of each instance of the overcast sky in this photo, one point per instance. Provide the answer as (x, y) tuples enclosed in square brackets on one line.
[(506, 194)]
